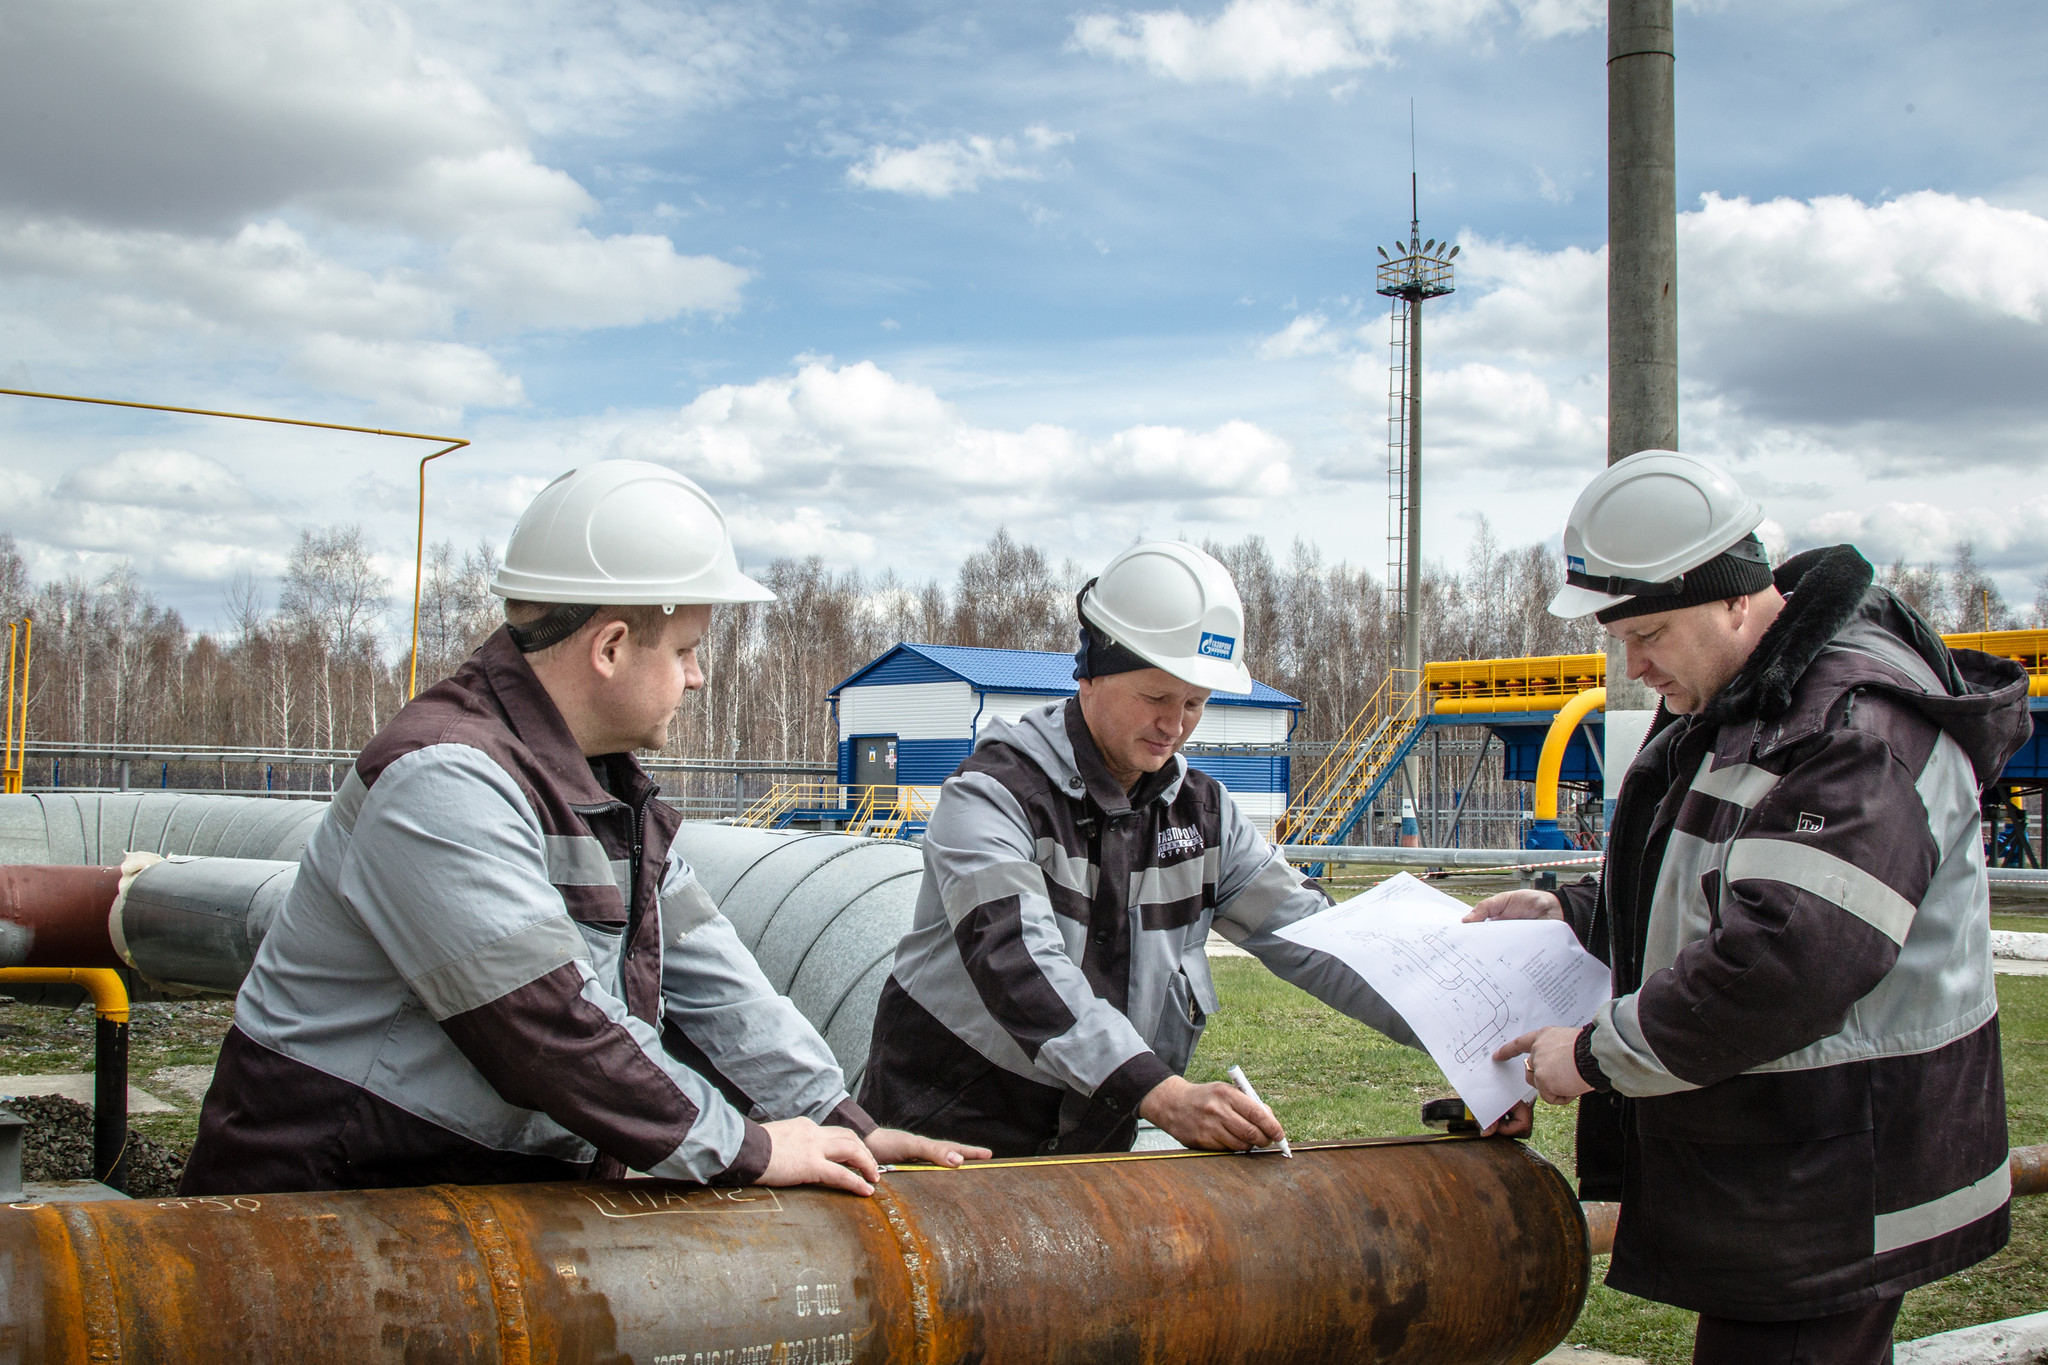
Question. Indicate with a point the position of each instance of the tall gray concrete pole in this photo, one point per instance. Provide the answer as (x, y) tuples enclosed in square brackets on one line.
[(1642, 259), (1642, 231)]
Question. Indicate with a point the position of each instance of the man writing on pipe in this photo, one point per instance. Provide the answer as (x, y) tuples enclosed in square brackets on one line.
[(494, 965), (1796, 1091), (1054, 982)]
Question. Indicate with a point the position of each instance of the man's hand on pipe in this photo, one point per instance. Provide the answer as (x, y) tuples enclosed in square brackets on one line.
[(1216, 1117), (1524, 904), (1518, 1122), (892, 1146), (1553, 1065), (802, 1153)]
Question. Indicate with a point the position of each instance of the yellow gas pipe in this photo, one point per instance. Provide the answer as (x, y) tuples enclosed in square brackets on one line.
[(1554, 744)]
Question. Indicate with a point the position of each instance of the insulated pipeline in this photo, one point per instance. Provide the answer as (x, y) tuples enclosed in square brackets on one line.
[(822, 912), (1419, 1250), (100, 829)]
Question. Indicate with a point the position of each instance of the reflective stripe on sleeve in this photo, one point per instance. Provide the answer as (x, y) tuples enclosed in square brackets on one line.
[(1821, 873)]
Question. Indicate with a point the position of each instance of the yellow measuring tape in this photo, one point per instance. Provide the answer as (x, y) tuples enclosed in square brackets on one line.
[(1181, 1154)]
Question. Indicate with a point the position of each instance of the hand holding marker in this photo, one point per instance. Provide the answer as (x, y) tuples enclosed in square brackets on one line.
[(1237, 1078)]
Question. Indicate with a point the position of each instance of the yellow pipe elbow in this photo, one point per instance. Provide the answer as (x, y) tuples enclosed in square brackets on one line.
[(1554, 744), (103, 984)]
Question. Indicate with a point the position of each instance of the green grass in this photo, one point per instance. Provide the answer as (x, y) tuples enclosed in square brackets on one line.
[(1330, 1077)]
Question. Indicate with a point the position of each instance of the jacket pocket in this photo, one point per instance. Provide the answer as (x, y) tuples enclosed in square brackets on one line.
[(1181, 1021), (607, 943)]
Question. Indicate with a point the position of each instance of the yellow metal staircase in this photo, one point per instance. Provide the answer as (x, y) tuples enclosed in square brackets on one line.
[(881, 812), (1380, 730)]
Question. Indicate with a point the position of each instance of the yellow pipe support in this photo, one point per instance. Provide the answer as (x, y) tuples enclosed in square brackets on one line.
[(103, 984), (1554, 743), (419, 560), (1469, 706)]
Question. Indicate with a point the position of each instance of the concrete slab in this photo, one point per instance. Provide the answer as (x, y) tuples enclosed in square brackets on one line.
[(1583, 1355), (64, 1192), (77, 1085), (2018, 966), (2015, 1341), (189, 1082)]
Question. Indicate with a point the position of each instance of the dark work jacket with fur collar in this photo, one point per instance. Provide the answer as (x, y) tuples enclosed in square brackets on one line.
[(1799, 1096)]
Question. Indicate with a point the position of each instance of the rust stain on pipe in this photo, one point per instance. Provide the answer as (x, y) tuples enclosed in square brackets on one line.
[(1438, 1250), (57, 916)]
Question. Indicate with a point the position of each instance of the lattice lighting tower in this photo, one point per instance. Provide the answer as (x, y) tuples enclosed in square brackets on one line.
[(1410, 274)]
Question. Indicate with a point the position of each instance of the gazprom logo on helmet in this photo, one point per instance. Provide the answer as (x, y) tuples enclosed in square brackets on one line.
[(1216, 646), (1573, 564)]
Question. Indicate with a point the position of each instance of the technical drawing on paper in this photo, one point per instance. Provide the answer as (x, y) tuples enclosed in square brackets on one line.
[(1469, 993)]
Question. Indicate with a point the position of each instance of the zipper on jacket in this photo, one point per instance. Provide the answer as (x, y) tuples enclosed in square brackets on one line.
[(633, 875)]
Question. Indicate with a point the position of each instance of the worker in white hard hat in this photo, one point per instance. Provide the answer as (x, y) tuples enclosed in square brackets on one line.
[(1795, 1091), (495, 966), (1055, 979)]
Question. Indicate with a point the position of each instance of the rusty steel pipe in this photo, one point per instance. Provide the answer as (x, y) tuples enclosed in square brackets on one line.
[(1438, 1249), (2029, 1176), (57, 916)]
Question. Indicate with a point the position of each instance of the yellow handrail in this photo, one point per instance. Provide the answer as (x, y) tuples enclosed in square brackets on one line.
[(103, 984), (1555, 742), (419, 562)]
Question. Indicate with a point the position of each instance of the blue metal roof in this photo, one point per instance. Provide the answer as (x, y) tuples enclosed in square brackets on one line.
[(1011, 670)]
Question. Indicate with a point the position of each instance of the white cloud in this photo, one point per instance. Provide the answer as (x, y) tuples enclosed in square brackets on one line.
[(938, 170), (1308, 334), (2004, 536), (298, 183), (614, 68), (158, 478), (1257, 42), (171, 513), (579, 280), (436, 379), (835, 451)]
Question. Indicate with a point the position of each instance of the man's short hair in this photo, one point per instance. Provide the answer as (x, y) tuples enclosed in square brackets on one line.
[(540, 628)]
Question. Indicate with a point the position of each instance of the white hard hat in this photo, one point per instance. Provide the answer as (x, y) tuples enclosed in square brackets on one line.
[(623, 533), (1646, 522), (1175, 607)]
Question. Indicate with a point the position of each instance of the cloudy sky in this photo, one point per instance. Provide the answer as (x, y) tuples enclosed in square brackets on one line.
[(884, 277)]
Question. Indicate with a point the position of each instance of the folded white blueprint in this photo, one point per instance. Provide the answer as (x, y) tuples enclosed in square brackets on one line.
[(1464, 988)]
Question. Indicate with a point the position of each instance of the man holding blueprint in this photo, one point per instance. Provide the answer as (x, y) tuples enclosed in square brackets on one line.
[(1795, 1091)]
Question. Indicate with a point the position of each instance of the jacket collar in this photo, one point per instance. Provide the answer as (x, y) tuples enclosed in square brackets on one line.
[(1840, 634), (503, 672), (1823, 590)]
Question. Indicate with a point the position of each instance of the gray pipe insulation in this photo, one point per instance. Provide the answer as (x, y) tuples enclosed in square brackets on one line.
[(821, 912)]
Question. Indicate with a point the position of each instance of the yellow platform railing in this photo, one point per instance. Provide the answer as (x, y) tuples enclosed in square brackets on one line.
[(1494, 686), (1364, 748), (784, 797)]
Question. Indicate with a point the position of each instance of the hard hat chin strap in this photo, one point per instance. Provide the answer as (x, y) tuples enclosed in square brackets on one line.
[(1739, 570), (562, 620)]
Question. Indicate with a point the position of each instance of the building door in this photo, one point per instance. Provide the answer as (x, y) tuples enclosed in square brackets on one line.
[(874, 764)]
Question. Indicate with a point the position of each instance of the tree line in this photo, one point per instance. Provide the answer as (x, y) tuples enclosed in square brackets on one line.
[(320, 658)]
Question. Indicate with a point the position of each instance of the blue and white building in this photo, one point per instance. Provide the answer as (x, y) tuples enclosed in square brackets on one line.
[(909, 717)]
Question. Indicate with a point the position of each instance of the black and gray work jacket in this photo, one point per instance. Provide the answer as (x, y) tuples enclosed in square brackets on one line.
[(1056, 970), (1800, 1103)]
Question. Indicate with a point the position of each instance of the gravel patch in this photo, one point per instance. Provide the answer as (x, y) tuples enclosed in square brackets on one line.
[(57, 1145)]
